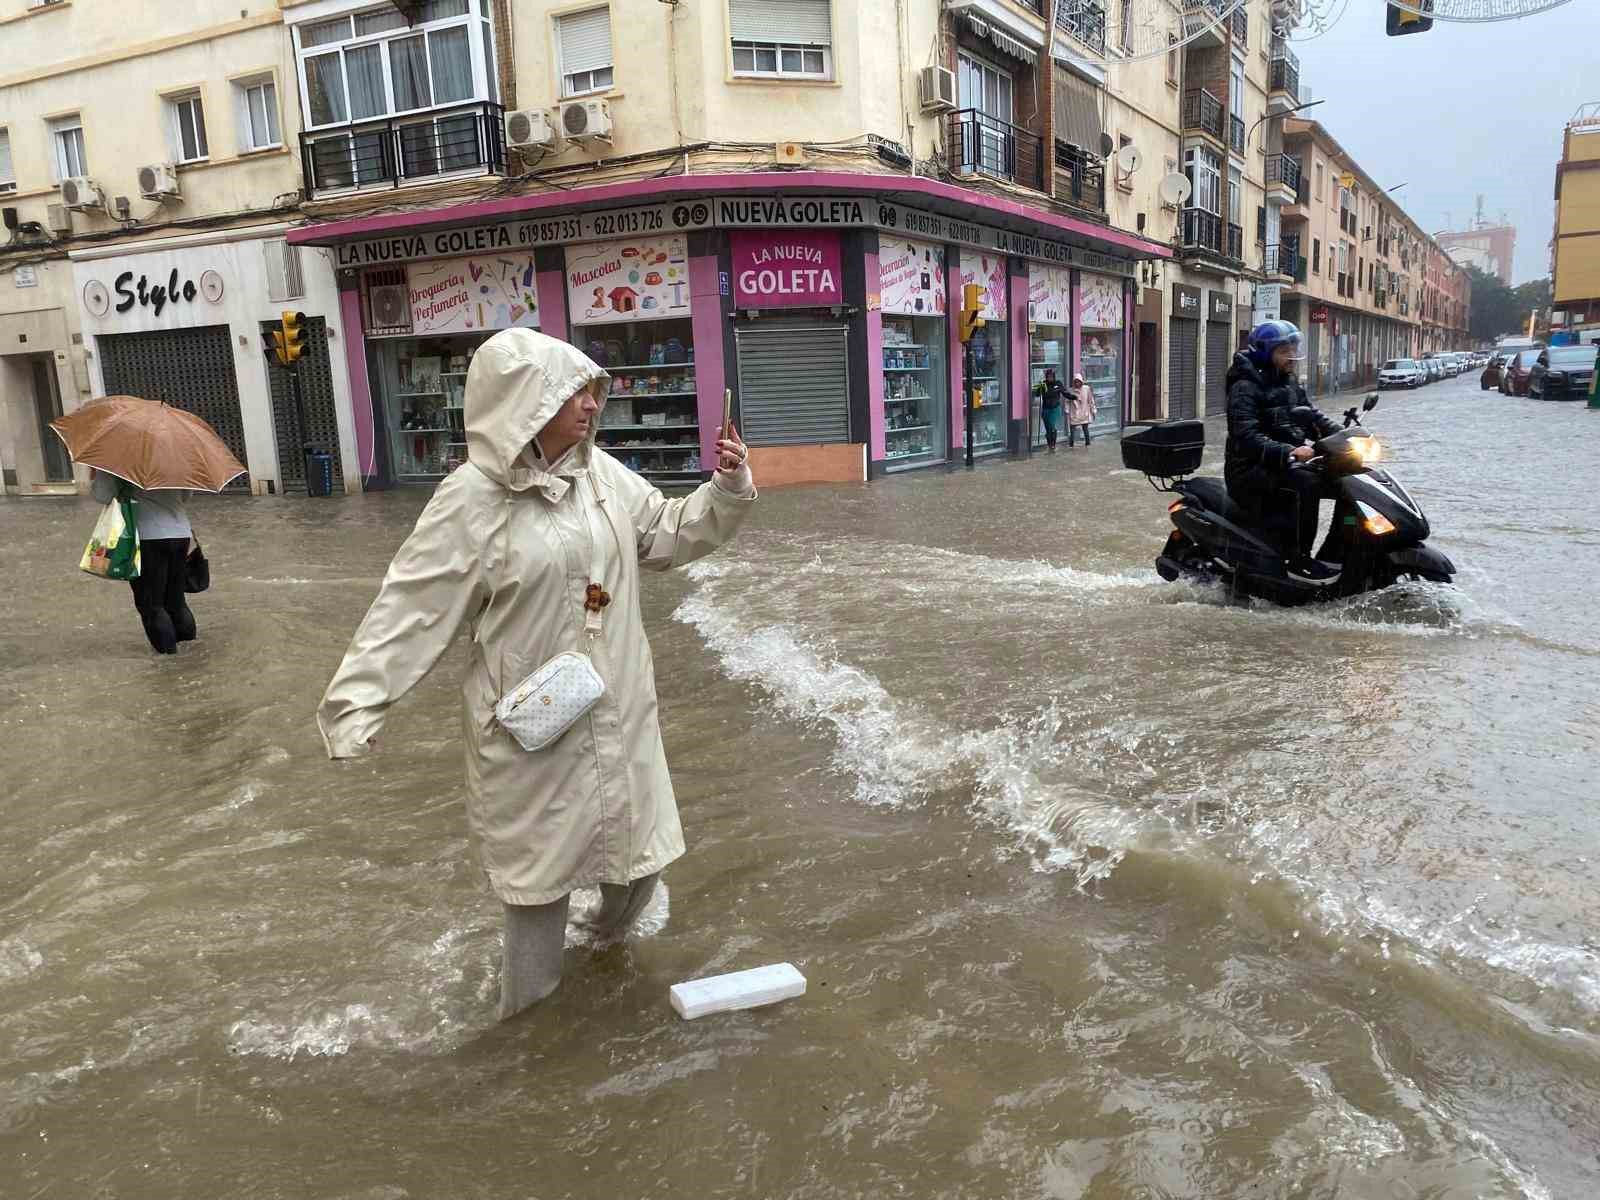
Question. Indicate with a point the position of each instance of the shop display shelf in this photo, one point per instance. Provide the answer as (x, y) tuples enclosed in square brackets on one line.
[(899, 429), (452, 374), (649, 395), (897, 455), (984, 378), (403, 432), (906, 346), (638, 428), (906, 370), (412, 395), (684, 448), (683, 366), (994, 445)]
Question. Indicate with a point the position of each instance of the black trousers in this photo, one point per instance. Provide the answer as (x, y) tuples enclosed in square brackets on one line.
[(158, 593), (1072, 434)]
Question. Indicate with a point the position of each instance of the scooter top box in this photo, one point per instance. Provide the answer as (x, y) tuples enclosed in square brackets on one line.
[(1168, 449)]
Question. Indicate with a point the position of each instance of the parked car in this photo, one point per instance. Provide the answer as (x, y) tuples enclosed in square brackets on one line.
[(1514, 379), (1491, 371), (1401, 372), (1562, 372), (1438, 363)]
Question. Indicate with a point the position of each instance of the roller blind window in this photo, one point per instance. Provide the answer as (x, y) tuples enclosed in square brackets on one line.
[(786, 39), (585, 40)]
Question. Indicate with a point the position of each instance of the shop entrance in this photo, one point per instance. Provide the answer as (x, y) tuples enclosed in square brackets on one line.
[(794, 384), (1149, 366), (47, 406), (1183, 338), (191, 369), (1219, 356)]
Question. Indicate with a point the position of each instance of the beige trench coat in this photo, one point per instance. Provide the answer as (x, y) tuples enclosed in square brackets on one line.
[(1080, 410), (503, 549)]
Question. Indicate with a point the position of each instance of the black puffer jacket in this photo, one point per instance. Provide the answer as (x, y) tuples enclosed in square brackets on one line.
[(1260, 431)]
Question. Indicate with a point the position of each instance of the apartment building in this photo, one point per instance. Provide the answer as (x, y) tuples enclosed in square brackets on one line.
[(1575, 249), (1373, 285), (148, 176)]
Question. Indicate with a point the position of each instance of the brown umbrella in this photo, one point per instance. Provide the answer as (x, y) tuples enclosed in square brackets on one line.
[(149, 443)]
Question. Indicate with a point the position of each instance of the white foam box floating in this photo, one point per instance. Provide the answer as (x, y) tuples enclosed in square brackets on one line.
[(740, 989)]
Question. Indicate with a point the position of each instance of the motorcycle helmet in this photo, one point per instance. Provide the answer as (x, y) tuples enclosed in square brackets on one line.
[(1268, 336)]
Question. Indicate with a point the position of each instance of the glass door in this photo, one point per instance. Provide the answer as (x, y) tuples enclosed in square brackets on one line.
[(987, 91)]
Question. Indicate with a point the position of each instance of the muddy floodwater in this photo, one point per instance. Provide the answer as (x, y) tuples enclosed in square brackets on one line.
[(1104, 887)]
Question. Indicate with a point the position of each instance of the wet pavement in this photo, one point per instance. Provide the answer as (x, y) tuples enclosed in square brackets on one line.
[(1104, 887)]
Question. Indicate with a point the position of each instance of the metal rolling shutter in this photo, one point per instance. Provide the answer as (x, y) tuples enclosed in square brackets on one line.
[(322, 427), (1218, 359), (792, 22), (191, 369), (794, 385), (1183, 368)]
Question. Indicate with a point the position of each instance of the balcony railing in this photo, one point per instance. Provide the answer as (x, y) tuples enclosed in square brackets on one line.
[(1080, 177), (1201, 230), (1285, 170), (1236, 133), (1279, 48), (1084, 20), (1286, 77), (1235, 242), (1202, 111), (1034, 6), (1285, 259), (1241, 28), (463, 140), (981, 144)]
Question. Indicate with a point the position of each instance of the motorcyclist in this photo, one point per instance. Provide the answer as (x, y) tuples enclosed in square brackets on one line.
[(1269, 421)]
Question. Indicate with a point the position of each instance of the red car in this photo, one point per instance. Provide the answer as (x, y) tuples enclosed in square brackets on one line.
[(1514, 379)]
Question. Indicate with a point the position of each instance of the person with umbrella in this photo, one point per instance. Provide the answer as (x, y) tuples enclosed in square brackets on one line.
[(157, 455)]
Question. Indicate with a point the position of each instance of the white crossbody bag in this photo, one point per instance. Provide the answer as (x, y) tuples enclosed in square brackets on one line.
[(538, 710)]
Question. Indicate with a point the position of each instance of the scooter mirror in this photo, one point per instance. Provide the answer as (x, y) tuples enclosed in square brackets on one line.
[(1372, 403)]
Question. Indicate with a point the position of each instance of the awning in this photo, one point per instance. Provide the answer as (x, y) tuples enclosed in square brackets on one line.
[(1003, 42), (1078, 112)]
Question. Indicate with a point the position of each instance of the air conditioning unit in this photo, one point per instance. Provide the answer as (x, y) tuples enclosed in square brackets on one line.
[(81, 193), (58, 218), (586, 121), (937, 87), (529, 127), (158, 181), (389, 306)]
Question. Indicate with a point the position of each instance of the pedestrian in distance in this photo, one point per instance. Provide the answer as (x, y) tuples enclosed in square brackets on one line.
[(1081, 411), (535, 546), (164, 536), (1051, 394)]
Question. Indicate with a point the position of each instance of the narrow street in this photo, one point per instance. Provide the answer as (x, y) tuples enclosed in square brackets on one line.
[(1093, 877)]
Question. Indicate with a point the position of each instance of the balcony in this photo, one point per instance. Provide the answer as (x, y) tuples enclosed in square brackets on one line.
[(1283, 85), (456, 142), (1235, 242), (1283, 178), (1202, 113), (1236, 133), (1084, 20), (1203, 23), (1241, 28), (1285, 261), (983, 145), (1080, 178)]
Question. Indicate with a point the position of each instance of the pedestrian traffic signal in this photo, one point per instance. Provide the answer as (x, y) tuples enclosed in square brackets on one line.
[(1408, 20), (971, 310), (294, 337), (272, 341)]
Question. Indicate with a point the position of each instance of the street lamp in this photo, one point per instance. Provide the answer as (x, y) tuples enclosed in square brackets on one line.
[(1270, 115)]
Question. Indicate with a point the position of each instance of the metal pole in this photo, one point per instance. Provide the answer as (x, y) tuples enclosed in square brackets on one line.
[(966, 394), (300, 424)]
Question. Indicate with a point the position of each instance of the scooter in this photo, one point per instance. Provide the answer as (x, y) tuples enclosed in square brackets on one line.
[(1377, 538)]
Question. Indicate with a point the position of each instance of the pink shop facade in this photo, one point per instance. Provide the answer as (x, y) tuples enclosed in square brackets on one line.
[(825, 302)]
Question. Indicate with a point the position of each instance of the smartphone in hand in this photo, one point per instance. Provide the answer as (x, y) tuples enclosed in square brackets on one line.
[(727, 412)]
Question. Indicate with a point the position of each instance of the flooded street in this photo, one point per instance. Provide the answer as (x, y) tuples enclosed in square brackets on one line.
[(1104, 887)]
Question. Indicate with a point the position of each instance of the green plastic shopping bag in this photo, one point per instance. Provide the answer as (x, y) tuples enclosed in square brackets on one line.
[(113, 549)]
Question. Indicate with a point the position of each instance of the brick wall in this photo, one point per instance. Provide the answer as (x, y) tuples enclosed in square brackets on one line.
[(505, 53)]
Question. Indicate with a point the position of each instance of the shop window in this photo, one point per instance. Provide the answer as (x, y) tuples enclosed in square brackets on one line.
[(256, 104), (187, 121), (584, 41), (791, 39), (915, 387), (424, 381), (8, 174), (66, 139), (651, 421), (1100, 349)]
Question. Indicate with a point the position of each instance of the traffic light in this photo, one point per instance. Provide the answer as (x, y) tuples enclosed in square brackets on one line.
[(293, 343), (1408, 20), (971, 310), (272, 341)]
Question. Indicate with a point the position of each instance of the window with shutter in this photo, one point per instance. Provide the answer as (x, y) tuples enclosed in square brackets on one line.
[(783, 39), (585, 40), (8, 175)]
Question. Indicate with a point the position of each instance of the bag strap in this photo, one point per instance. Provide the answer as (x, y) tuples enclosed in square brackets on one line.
[(595, 597)]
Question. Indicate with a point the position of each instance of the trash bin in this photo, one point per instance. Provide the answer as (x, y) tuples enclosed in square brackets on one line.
[(319, 473)]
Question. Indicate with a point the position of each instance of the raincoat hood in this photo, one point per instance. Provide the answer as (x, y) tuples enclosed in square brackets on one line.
[(518, 381)]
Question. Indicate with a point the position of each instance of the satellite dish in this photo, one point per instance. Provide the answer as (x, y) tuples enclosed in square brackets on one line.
[(1128, 159), (1175, 189), (1108, 147)]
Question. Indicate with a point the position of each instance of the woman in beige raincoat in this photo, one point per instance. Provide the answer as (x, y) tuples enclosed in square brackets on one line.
[(1080, 410), (506, 548)]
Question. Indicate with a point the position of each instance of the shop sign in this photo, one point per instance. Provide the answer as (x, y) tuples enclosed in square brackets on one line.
[(643, 279), (1185, 301), (797, 268), (1099, 302), (911, 279), (988, 271), (460, 295), (1221, 307), (1049, 294), (726, 212), (1319, 315), (1269, 302)]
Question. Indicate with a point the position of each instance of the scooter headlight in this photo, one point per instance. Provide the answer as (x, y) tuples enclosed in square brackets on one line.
[(1367, 448), (1373, 521)]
